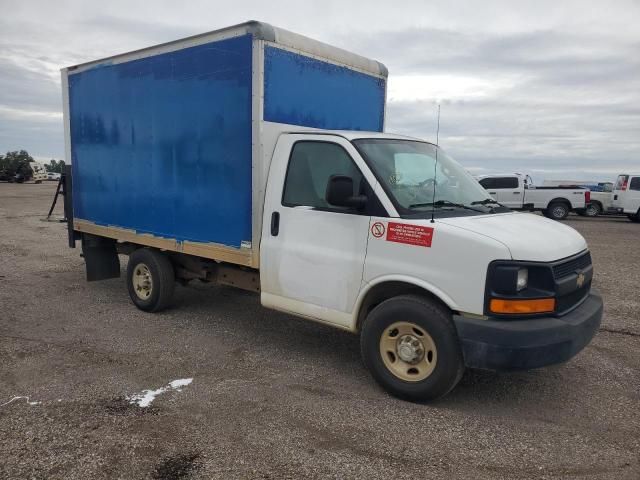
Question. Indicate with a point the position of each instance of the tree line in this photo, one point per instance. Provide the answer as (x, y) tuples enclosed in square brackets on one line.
[(17, 162)]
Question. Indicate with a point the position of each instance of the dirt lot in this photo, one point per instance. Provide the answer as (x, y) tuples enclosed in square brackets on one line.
[(276, 397)]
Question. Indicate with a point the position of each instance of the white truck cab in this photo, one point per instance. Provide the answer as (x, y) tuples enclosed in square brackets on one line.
[(366, 232), (253, 183), (626, 196), (518, 192)]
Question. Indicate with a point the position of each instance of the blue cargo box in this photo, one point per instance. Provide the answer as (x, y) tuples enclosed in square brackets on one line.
[(164, 141)]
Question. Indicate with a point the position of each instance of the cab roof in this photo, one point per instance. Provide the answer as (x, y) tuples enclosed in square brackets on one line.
[(356, 135)]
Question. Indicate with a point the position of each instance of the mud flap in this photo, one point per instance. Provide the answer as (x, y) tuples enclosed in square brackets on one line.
[(66, 182), (101, 257)]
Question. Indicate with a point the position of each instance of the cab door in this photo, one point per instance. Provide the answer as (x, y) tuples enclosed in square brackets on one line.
[(312, 253), (510, 192), (489, 185)]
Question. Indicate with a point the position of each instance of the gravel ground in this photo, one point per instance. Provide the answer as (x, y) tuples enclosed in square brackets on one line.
[(276, 397)]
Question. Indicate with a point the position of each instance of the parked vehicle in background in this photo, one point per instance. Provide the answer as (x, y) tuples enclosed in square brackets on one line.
[(271, 172), (518, 192), (53, 176), (601, 202), (38, 172), (601, 195), (626, 196), (6, 176)]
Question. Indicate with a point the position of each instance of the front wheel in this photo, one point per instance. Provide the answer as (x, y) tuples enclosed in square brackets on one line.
[(635, 218), (557, 211), (150, 279), (410, 346), (593, 210)]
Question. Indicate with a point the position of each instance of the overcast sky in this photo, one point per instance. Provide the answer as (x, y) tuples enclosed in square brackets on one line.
[(550, 88)]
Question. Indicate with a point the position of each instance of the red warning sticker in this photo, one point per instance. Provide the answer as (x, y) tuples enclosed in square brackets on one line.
[(409, 234)]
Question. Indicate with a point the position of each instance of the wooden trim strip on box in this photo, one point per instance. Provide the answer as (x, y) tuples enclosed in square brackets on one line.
[(206, 250)]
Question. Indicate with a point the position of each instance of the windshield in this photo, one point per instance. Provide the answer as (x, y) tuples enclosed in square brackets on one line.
[(409, 173)]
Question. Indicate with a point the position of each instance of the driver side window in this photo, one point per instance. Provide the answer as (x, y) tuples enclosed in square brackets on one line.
[(310, 166)]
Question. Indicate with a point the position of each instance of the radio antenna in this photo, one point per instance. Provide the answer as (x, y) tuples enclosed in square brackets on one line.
[(435, 169)]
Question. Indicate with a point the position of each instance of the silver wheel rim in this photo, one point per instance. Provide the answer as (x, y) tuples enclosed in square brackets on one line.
[(558, 212), (592, 211), (142, 282)]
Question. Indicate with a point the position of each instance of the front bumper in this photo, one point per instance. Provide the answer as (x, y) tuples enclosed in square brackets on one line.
[(532, 343)]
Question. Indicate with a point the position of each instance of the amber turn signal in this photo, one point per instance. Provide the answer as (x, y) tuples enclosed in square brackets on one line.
[(538, 305)]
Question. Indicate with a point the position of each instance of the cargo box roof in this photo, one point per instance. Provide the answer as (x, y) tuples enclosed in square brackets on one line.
[(260, 31)]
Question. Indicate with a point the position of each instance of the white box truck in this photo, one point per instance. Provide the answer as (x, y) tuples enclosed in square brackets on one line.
[(626, 196), (39, 172), (255, 157)]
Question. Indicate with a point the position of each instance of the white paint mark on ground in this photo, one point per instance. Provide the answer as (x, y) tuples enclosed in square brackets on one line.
[(145, 398), (20, 398)]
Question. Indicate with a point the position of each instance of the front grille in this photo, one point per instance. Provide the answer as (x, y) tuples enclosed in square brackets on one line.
[(571, 266), (569, 301)]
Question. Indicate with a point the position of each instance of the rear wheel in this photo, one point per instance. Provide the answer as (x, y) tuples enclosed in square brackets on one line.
[(410, 346), (150, 280), (636, 217), (557, 211), (593, 210)]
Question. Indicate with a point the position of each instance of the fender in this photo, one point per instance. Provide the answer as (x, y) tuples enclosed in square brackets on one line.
[(405, 279)]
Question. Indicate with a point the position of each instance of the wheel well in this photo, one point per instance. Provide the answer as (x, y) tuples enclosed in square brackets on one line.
[(598, 202), (560, 200), (386, 290)]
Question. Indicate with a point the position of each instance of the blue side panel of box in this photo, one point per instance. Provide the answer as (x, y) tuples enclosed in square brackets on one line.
[(301, 90), (162, 145)]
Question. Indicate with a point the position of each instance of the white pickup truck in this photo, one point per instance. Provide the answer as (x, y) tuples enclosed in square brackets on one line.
[(245, 157), (518, 192)]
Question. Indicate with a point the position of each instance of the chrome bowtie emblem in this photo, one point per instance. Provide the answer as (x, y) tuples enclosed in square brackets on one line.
[(580, 280)]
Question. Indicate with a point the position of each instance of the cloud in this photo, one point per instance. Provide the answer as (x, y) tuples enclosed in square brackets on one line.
[(545, 87), (539, 102)]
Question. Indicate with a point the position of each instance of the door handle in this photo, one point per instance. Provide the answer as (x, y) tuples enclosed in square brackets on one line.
[(275, 223), (493, 193), (516, 193)]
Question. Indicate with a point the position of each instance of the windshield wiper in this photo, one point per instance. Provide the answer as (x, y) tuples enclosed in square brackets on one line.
[(486, 201), (445, 203)]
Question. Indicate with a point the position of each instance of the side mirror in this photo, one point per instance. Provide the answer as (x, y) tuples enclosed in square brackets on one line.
[(339, 193)]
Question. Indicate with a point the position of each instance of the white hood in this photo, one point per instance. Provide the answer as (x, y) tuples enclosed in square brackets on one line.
[(527, 236)]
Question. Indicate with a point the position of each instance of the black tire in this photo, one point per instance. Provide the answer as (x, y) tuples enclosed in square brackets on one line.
[(437, 323), (635, 218), (557, 211), (162, 279), (593, 210)]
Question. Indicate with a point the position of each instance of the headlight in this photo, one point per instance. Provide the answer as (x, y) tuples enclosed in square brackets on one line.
[(522, 279), (519, 288)]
